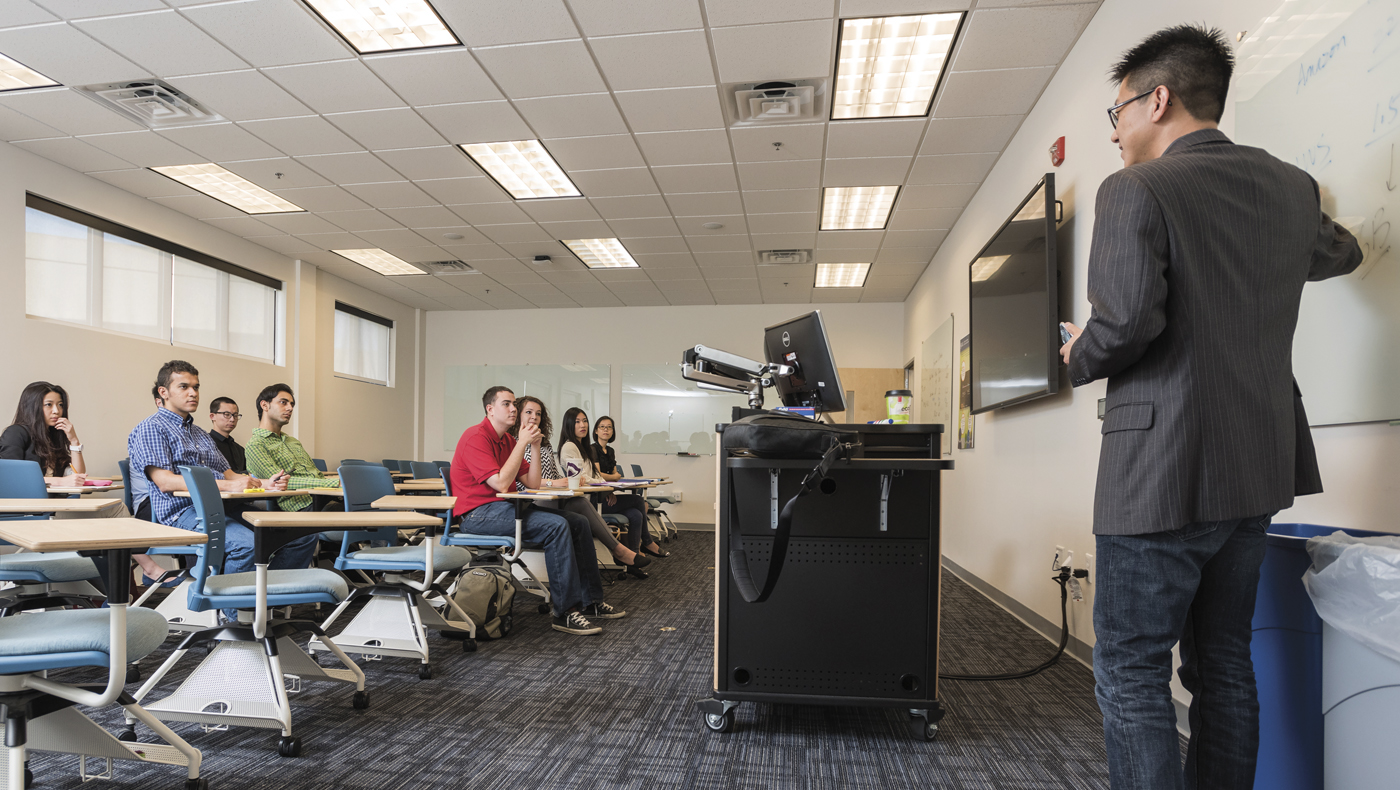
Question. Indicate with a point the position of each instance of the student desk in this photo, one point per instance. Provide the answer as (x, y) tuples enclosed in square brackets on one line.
[(81, 490), (94, 534), (53, 505), (227, 495), (401, 502)]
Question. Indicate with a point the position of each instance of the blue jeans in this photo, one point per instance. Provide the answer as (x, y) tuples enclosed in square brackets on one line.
[(568, 548), (634, 508), (1194, 585), (238, 548)]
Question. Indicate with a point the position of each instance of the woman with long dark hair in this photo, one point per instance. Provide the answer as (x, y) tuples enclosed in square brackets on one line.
[(577, 453), (42, 432)]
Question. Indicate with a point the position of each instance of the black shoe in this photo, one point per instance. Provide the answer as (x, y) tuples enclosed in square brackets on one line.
[(603, 611), (575, 623), (662, 553), (634, 572), (638, 561)]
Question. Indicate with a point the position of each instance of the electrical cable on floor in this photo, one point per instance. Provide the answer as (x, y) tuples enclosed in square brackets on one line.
[(1062, 579)]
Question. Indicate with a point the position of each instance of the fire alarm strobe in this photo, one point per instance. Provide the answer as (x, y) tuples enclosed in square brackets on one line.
[(1057, 152)]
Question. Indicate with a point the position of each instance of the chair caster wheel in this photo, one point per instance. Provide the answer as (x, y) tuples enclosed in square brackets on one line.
[(289, 746), (197, 784), (133, 674), (28, 778), (425, 671), (128, 735), (542, 608), (360, 701), (720, 722), (468, 645), (924, 729)]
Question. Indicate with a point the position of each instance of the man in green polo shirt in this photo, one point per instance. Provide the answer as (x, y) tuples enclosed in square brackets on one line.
[(272, 449)]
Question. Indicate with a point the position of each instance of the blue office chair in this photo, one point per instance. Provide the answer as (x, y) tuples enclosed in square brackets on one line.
[(172, 607), (455, 535), (259, 701), (320, 463), (406, 466), (34, 574), (423, 470), (357, 462), (396, 618), (655, 502), (392, 465), (443, 464)]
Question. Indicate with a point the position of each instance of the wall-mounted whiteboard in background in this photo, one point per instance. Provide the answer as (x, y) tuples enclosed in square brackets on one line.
[(1320, 87)]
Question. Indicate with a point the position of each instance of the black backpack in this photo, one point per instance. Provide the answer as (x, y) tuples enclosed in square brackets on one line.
[(486, 592)]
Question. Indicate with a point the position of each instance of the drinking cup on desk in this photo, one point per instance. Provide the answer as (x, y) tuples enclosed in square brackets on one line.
[(575, 482)]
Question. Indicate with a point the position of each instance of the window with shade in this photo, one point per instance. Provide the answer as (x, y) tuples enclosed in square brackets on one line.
[(364, 345), (82, 269)]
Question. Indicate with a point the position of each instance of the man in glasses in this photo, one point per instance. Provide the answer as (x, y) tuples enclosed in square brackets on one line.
[(1200, 252), (223, 413)]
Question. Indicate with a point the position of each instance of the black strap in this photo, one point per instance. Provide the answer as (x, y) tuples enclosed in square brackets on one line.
[(739, 560)]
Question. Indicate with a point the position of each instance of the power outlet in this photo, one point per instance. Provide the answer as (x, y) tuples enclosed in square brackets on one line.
[(1089, 568), (679, 496), (1059, 560)]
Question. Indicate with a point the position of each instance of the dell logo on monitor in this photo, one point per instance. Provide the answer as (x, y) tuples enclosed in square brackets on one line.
[(787, 341)]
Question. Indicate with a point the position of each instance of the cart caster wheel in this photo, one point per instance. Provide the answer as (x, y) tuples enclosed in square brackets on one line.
[(925, 730), (542, 608), (360, 701), (133, 674), (468, 645), (197, 784), (127, 735), (720, 722), (425, 671), (289, 747)]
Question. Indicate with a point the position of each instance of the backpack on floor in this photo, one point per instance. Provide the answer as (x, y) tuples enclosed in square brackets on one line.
[(485, 593)]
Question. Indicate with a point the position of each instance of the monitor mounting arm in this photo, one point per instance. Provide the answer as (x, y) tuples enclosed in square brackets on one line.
[(714, 369)]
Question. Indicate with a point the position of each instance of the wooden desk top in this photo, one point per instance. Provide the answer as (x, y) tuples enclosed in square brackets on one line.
[(95, 533), (561, 494), (115, 486), (254, 494), (420, 485), (402, 502), (53, 505), (399, 487), (331, 519), (401, 474)]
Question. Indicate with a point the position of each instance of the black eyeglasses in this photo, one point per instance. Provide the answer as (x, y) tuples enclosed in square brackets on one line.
[(1113, 111), (229, 414)]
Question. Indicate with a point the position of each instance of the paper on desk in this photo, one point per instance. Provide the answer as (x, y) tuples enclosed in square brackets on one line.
[(97, 482)]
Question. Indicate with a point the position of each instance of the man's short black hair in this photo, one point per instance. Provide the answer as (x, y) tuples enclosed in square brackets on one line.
[(171, 368), (1192, 61), (155, 393), (219, 403), (269, 394), (490, 396)]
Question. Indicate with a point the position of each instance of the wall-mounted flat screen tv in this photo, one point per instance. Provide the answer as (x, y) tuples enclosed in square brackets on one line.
[(1015, 313)]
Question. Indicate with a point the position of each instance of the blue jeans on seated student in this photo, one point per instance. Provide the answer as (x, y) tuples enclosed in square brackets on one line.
[(568, 548), (238, 549), (1195, 585)]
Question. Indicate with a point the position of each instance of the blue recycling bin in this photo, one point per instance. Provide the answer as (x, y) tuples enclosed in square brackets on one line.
[(1287, 652)]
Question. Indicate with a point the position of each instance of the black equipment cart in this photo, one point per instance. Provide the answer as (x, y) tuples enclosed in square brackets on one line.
[(853, 619)]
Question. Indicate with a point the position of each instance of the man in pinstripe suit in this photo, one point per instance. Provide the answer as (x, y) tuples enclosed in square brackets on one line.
[(1200, 252)]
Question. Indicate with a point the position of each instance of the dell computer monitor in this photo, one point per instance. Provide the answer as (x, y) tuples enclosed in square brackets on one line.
[(801, 342)]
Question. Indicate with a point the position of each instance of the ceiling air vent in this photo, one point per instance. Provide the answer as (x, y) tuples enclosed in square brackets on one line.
[(152, 102), (765, 103), (784, 256), (447, 267)]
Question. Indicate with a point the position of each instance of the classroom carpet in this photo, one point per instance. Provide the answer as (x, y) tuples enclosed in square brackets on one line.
[(541, 709)]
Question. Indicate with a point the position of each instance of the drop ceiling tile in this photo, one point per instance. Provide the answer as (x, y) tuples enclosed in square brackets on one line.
[(849, 239), (243, 226), (654, 60), (278, 173), (780, 175), (675, 277), (726, 264), (867, 172), (199, 206), (784, 241), (739, 298), (241, 95), (630, 207), (486, 24), (924, 219), (395, 194), (162, 41), (478, 253), (842, 255), (477, 122), (799, 141), (579, 229), (595, 153), (576, 282), (224, 142), (319, 199), (439, 234), (424, 217), (287, 245), (635, 228), (792, 272), (397, 237), (571, 116), (66, 111), (1010, 37), (336, 86), (696, 178), (352, 168), (728, 243), (63, 53), (527, 250), (552, 68), (730, 224), (560, 210), (617, 277), (515, 234), (996, 92), (19, 13), (894, 256), (508, 270), (299, 224), (15, 125), (436, 76), (789, 50), (777, 201), (269, 32), (652, 261), (744, 12), (915, 238), (936, 196), (672, 109), (704, 204), (614, 183), (451, 191), (296, 136), (491, 214), (783, 223), (913, 269), (884, 137), (969, 135), (695, 147), (394, 128), (656, 244), (74, 154), (430, 163), (952, 168), (144, 149), (145, 183)]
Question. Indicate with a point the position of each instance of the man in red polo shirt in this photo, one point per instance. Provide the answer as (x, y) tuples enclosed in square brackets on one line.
[(490, 461)]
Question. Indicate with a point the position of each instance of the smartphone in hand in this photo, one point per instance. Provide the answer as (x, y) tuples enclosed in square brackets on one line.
[(1065, 336)]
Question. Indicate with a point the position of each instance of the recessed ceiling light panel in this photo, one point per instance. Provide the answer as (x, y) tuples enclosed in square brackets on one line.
[(15, 76), (887, 67), (857, 208), (385, 25), (220, 184), (523, 168), (379, 261), (601, 253), (842, 275), (984, 268)]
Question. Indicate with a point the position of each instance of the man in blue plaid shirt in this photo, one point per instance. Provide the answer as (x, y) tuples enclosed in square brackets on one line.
[(169, 439)]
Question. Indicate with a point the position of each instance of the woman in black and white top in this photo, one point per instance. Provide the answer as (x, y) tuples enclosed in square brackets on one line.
[(532, 411), (576, 452)]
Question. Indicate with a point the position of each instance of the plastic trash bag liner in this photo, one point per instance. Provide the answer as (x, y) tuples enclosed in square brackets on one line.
[(1355, 585)]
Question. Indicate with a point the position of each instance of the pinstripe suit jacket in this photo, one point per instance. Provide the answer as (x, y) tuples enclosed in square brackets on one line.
[(1195, 274)]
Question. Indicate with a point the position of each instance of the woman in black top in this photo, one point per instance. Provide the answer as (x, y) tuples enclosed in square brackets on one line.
[(42, 432), (606, 459)]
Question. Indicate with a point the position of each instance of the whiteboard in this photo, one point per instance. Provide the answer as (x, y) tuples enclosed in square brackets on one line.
[(1332, 107)]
